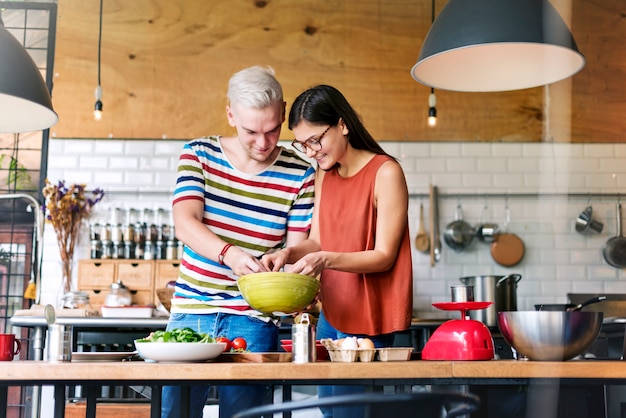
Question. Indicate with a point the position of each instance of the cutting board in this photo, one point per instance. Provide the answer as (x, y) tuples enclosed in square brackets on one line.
[(38, 310), (254, 357)]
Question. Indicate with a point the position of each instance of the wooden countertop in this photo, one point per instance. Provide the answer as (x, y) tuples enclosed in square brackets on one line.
[(135, 371), (526, 369), (213, 371)]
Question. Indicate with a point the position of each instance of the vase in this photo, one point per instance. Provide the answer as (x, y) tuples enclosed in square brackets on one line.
[(66, 285), (67, 265)]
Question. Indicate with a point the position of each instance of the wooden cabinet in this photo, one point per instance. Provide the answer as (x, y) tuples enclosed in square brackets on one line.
[(166, 270), (142, 277), (136, 274), (96, 274)]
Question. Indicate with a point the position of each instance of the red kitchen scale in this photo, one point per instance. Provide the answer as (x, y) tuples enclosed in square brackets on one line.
[(460, 339)]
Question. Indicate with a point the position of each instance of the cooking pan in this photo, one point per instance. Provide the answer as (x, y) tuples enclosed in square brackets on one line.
[(507, 249), (615, 248), (459, 234), (568, 307)]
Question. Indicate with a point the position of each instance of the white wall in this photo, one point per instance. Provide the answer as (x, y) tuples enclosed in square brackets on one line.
[(547, 186)]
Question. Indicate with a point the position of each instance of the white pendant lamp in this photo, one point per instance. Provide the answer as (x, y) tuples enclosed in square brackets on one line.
[(25, 103), (497, 45)]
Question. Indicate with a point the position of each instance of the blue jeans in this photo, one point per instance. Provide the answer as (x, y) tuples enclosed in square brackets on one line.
[(326, 330), (260, 336)]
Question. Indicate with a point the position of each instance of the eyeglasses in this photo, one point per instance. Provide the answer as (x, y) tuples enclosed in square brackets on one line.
[(312, 143)]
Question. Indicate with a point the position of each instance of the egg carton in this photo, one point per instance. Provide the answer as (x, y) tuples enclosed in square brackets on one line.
[(352, 355), (394, 353)]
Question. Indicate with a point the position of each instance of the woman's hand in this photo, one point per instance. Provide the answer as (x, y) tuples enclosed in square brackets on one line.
[(311, 264)]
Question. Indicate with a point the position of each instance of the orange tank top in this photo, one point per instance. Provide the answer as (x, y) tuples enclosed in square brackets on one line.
[(356, 303)]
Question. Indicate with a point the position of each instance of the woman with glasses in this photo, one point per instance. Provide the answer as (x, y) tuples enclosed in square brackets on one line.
[(359, 241)]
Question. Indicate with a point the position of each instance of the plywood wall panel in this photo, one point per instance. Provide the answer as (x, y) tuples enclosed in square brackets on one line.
[(166, 64)]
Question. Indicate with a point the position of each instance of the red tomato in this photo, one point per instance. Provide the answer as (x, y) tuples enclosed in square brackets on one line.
[(239, 344), (229, 344)]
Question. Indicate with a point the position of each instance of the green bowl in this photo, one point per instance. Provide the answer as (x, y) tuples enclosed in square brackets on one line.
[(278, 293)]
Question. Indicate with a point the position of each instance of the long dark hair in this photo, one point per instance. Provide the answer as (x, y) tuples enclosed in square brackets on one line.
[(325, 105)]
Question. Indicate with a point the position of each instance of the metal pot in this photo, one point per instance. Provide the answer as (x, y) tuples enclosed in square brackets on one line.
[(501, 290)]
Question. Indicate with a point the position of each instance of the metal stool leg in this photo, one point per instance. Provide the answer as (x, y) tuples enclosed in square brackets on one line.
[(59, 401), (90, 410), (155, 402)]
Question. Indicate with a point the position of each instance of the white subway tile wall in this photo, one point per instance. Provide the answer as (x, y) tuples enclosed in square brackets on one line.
[(544, 186)]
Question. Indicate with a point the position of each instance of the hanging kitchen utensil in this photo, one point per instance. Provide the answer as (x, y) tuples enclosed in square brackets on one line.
[(422, 241), (31, 290), (435, 241), (486, 231), (585, 223), (507, 249), (459, 234), (615, 248), (431, 220)]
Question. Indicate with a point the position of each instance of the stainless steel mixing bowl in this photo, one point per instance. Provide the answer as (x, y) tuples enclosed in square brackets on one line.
[(550, 335)]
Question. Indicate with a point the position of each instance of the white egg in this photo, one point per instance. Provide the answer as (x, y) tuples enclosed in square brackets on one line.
[(349, 343)]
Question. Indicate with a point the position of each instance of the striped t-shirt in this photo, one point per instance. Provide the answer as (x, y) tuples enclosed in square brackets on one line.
[(251, 211)]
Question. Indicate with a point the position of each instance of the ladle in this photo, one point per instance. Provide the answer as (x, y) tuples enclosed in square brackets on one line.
[(422, 241)]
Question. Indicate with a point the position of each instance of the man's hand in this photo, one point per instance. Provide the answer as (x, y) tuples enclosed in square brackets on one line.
[(274, 261), (242, 263)]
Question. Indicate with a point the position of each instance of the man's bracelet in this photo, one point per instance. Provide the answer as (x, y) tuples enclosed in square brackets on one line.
[(220, 257)]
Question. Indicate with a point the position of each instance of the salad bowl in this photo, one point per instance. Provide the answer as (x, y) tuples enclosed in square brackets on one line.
[(178, 351), (180, 344)]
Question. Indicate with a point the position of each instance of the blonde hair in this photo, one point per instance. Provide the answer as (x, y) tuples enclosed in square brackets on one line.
[(254, 87)]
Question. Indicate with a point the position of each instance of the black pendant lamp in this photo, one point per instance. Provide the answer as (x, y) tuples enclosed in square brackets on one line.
[(497, 45), (25, 103)]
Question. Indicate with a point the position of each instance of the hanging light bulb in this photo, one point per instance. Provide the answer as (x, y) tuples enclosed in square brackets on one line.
[(432, 100), (97, 110), (432, 109)]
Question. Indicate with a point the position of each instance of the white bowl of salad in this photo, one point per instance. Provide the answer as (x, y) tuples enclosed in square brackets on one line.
[(182, 344)]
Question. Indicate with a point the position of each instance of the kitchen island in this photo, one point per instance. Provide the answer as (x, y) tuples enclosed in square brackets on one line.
[(375, 374)]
